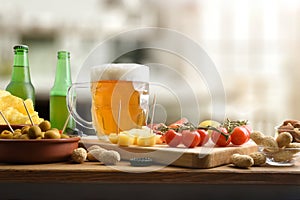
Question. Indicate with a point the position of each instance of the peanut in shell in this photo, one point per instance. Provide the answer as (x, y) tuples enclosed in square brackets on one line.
[(242, 161), (284, 139), (257, 137), (270, 144), (283, 156), (258, 158)]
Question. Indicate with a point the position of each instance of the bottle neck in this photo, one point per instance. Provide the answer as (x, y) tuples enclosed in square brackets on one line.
[(21, 71), (63, 76)]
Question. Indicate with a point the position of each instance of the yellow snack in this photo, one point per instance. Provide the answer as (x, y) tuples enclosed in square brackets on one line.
[(13, 109), (4, 93), (113, 138), (242, 161), (125, 140), (146, 141)]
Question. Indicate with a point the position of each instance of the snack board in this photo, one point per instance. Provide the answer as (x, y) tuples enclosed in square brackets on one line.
[(199, 157)]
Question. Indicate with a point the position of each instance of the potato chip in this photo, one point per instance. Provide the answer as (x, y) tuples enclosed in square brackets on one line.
[(13, 109), (4, 93)]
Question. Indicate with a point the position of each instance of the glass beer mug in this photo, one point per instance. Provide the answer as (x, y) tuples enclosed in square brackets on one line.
[(119, 95)]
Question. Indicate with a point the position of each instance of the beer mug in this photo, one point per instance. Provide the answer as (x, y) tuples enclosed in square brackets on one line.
[(119, 95)]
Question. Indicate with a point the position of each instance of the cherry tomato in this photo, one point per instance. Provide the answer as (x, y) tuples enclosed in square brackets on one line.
[(163, 138), (249, 130), (220, 139), (204, 137), (239, 135), (172, 138), (190, 139)]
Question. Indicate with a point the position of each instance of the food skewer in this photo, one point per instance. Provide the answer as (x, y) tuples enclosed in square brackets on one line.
[(66, 122), (153, 111), (28, 113), (119, 117), (11, 129)]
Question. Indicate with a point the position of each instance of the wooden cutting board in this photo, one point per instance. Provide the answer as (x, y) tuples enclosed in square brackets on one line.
[(199, 157)]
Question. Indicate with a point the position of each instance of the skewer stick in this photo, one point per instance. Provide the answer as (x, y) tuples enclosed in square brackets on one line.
[(11, 129), (147, 113), (66, 123), (153, 111), (119, 117), (28, 113)]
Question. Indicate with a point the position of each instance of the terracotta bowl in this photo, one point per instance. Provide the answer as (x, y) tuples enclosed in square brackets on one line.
[(35, 151)]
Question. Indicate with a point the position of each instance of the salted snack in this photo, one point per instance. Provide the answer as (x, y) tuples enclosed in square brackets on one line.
[(52, 134), (279, 151), (93, 147), (270, 144), (13, 109), (284, 139), (40, 131), (257, 137), (242, 161), (45, 125), (34, 132), (292, 126), (94, 154), (109, 157), (258, 158), (6, 135), (293, 145), (79, 155), (283, 156)]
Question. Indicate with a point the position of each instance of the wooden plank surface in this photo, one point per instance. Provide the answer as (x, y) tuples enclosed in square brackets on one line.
[(200, 157), (94, 172)]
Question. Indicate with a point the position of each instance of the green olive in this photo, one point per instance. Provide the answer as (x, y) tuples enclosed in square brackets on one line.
[(6, 134), (25, 129), (45, 125), (34, 132), (51, 134), (64, 136), (17, 130), (24, 137), (54, 129), (17, 134)]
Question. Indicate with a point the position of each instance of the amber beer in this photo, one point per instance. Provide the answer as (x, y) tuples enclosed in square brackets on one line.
[(119, 97)]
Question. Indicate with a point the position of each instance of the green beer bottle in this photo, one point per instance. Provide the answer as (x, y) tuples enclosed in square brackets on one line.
[(20, 84), (58, 108)]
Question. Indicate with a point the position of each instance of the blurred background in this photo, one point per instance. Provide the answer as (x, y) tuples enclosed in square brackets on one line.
[(253, 43)]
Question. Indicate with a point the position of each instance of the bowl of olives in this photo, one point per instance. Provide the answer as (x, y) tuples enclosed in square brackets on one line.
[(35, 144)]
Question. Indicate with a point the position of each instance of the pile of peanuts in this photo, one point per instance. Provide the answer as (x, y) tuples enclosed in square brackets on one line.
[(95, 153), (280, 149)]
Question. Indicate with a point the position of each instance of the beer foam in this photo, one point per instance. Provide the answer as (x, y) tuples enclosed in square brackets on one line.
[(122, 71)]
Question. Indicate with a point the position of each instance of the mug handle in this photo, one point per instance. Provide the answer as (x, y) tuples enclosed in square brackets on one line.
[(71, 104)]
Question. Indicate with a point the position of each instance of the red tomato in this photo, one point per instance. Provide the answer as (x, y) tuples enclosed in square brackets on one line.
[(163, 138), (239, 135), (172, 138), (249, 130), (204, 137), (220, 139), (190, 139)]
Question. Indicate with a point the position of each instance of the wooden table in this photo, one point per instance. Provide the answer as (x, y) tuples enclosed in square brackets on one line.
[(93, 180)]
